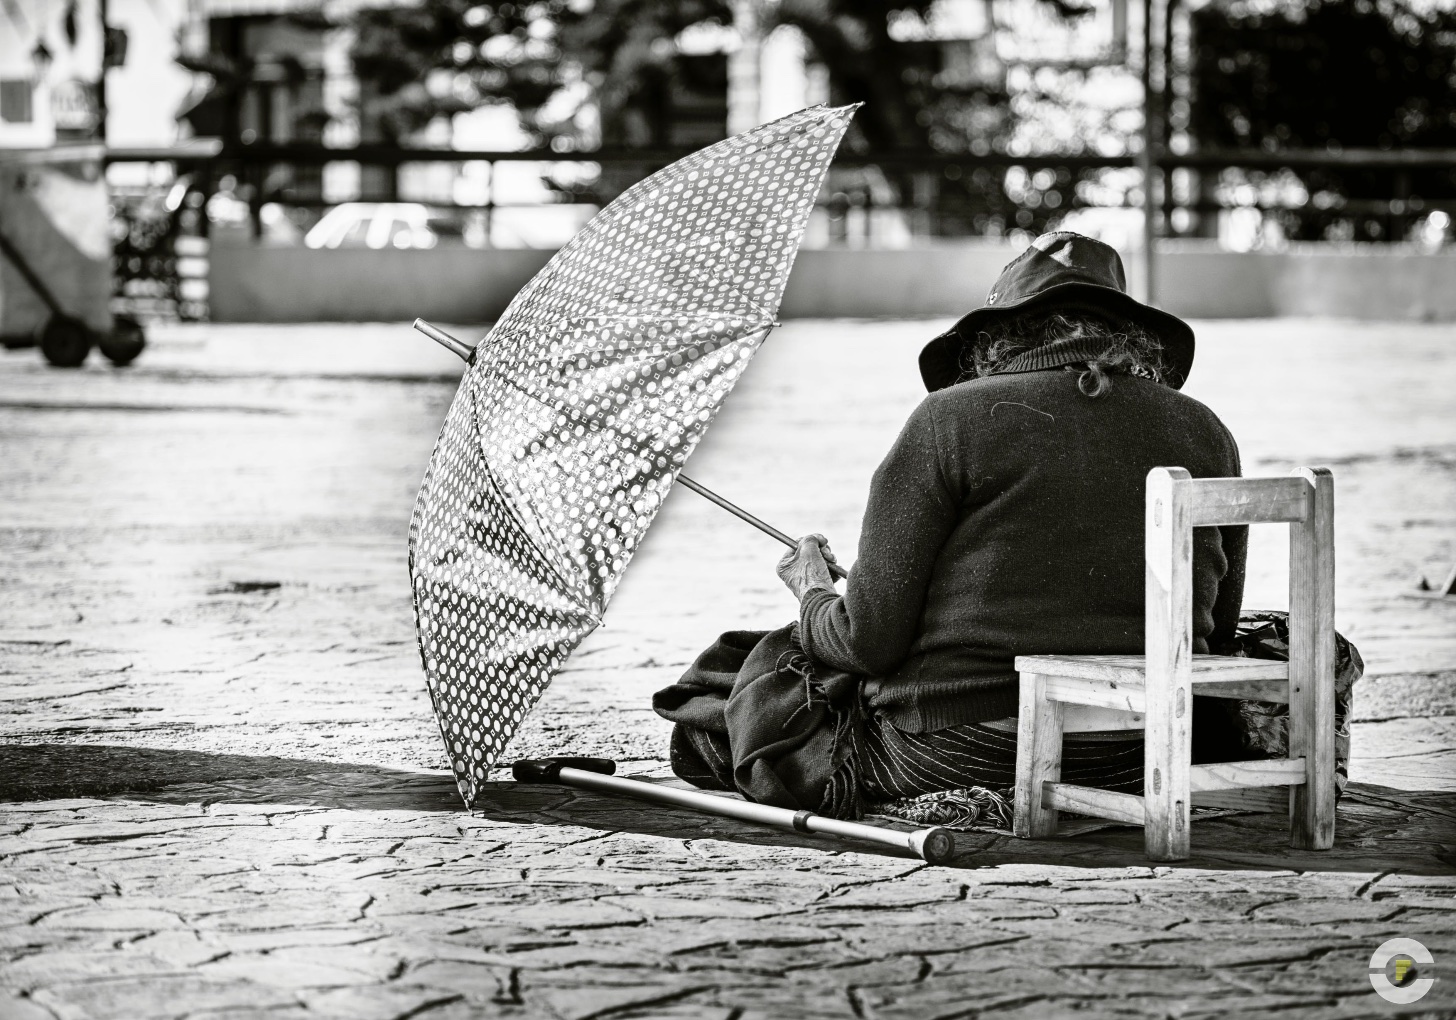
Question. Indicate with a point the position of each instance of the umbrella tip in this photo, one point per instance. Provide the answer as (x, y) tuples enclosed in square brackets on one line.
[(445, 340)]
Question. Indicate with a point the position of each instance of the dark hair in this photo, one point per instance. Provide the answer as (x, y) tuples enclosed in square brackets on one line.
[(1127, 348)]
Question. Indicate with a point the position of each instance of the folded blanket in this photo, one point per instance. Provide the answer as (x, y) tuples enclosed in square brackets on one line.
[(791, 727)]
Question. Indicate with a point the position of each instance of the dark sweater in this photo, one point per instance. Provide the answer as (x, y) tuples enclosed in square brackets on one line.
[(1008, 520)]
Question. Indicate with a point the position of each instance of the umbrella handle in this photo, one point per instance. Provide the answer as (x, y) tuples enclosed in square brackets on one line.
[(464, 351)]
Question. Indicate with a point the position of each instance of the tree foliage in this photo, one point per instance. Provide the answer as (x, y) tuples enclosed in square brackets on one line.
[(543, 58), (439, 57), (896, 82), (442, 56), (619, 61), (1331, 74)]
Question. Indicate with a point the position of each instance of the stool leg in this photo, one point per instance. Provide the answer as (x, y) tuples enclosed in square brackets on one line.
[(1312, 664), (1166, 786), (1038, 757), (1168, 632)]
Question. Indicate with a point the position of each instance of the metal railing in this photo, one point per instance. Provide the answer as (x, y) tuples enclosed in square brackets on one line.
[(251, 164), (928, 194)]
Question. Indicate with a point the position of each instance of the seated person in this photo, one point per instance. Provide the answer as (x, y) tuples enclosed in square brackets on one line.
[(1006, 520)]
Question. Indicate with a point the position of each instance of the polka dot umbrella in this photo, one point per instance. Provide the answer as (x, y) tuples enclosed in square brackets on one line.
[(578, 410)]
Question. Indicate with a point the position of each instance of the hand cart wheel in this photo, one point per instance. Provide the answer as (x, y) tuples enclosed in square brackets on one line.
[(125, 341), (65, 341)]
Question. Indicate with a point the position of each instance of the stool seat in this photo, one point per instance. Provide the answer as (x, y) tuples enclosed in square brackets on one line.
[(1120, 679)]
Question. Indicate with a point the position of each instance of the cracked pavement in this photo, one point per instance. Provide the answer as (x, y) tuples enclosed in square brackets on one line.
[(222, 795)]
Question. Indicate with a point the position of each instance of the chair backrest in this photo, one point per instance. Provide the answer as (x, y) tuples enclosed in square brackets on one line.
[(1178, 503)]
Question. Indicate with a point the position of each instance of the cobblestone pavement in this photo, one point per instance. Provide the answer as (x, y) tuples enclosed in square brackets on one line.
[(224, 795)]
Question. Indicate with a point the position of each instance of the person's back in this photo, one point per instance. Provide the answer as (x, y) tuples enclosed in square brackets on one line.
[(1008, 520)]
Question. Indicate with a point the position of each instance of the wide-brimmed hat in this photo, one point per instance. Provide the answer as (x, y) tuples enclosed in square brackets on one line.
[(1061, 270)]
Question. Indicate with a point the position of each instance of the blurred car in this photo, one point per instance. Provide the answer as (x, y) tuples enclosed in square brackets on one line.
[(380, 225), (1119, 227)]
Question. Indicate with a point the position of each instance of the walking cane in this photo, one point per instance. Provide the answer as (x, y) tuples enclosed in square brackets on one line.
[(464, 351), (934, 845)]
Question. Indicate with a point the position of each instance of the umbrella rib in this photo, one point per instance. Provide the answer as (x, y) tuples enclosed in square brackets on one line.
[(510, 504), (570, 414), (491, 339), (566, 583)]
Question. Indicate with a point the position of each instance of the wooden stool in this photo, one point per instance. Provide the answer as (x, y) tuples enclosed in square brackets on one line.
[(1155, 691)]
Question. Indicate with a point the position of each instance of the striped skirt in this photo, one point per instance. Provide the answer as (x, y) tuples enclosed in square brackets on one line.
[(894, 764)]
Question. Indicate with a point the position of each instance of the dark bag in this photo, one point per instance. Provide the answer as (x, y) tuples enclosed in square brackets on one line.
[(1264, 725)]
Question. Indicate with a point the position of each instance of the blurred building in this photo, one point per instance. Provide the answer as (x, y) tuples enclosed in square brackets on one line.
[(50, 71)]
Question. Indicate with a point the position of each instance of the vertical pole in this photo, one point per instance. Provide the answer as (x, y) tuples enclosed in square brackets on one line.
[(1312, 663), (256, 175), (490, 168), (744, 102), (205, 186), (1398, 222), (1167, 92), (103, 11), (1146, 159), (1168, 627)]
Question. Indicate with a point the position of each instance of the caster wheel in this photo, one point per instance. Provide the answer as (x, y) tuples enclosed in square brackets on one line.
[(125, 341), (65, 341)]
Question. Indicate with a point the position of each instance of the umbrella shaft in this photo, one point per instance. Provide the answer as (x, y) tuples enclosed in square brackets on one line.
[(768, 529), (763, 814), (737, 511)]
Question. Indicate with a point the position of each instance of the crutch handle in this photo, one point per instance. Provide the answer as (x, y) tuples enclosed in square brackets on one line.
[(548, 770)]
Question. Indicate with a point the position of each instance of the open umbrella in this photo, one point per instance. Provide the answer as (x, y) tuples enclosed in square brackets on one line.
[(578, 410)]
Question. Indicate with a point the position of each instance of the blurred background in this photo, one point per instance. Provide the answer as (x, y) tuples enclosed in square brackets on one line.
[(327, 160)]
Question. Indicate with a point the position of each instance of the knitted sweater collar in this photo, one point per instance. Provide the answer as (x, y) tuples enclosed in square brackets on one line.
[(1053, 355)]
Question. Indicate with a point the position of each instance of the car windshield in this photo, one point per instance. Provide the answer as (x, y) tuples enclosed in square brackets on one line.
[(356, 232)]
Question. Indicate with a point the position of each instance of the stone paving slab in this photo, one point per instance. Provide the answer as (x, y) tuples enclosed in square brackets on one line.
[(321, 892), (221, 783)]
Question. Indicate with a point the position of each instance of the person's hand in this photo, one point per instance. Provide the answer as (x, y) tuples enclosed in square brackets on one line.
[(807, 565)]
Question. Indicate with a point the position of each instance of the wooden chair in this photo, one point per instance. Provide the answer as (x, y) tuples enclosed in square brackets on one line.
[(1154, 692)]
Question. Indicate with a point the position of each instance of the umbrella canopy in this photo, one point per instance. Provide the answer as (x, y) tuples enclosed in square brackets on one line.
[(579, 408)]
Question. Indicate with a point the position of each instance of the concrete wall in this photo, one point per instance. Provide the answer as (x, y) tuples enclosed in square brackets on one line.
[(259, 283), (268, 284), (1209, 284), (1381, 284), (944, 280)]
